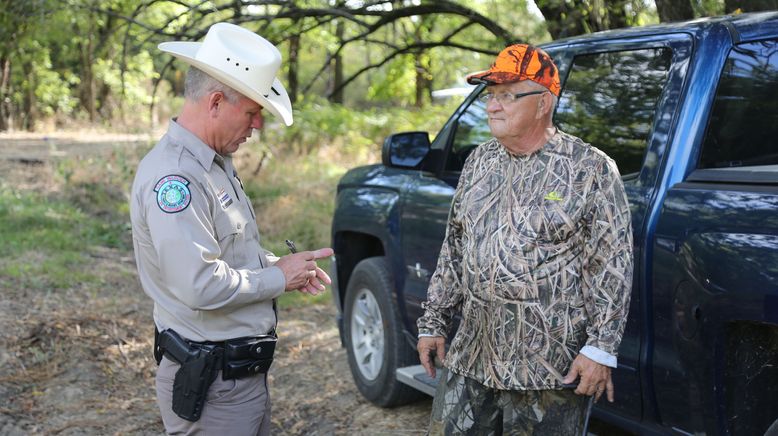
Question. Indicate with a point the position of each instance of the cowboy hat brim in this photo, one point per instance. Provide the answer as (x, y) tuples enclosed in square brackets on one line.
[(276, 102)]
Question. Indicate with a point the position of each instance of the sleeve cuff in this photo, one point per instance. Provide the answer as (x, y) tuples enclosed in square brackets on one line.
[(271, 258), (599, 356), (266, 283)]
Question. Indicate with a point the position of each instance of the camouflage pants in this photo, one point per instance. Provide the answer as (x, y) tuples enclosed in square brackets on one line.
[(463, 406)]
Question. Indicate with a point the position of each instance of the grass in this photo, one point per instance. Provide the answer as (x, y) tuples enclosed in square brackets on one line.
[(297, 299), (46, 241)]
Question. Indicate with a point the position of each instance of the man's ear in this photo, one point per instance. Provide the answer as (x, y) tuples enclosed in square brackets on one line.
[(215, 100), (544, 105)]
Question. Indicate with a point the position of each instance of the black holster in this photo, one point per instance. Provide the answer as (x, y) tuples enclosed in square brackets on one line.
[(199, 367)]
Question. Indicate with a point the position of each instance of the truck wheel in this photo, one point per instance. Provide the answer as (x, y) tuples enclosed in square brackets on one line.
[(773, 430), (373, 332)]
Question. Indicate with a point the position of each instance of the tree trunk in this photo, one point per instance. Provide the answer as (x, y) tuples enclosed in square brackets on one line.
[(292, 79), (423, 82), (29, 108), (561, 20), (565, 18), (674, 10), (615, 14), (5, 101), (336, 90), (87, 94), (106, 107), (750, 5)]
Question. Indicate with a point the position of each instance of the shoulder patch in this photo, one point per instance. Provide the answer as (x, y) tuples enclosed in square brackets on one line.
[(172, 193)]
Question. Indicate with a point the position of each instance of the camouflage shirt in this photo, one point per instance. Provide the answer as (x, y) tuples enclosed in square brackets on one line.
[(537, 258)]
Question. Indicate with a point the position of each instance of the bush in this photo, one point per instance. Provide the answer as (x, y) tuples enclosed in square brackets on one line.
[(357, 134)]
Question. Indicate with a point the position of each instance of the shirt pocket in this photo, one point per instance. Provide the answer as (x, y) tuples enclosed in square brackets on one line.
[(230, 227)]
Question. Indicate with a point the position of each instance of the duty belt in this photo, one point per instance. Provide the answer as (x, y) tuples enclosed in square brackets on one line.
[(237, 358)]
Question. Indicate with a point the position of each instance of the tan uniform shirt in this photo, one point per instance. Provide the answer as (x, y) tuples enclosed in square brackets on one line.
[(197, 245), (537, 259)]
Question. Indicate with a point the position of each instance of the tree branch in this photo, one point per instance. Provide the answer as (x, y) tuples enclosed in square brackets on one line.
[(410, 49)]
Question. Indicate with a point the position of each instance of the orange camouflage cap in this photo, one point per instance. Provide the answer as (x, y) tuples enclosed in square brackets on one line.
[(520, 62)]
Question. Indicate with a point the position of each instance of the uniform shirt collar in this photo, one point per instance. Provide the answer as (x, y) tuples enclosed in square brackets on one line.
[(199, 149)]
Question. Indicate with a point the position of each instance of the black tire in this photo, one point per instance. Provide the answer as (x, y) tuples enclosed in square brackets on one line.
[(376, 377)]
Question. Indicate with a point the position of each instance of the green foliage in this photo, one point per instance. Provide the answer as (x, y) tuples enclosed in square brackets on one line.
[(50, 89), (355, 133), (34, 85), (393, 83), (708, 8), (132, 87), (98, 60)]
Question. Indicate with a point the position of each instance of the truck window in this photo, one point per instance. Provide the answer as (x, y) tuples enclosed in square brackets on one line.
[(609, 100), (471, 131), (744, 119)]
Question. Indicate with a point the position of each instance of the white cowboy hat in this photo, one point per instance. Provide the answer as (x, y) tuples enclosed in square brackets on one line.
[(242, 60)]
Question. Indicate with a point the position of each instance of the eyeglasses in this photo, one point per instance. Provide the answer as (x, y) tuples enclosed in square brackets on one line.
[(506, 97)]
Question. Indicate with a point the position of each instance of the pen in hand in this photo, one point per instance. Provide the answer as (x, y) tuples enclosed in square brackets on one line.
[(292, 247), (293, 250), (315, 277)]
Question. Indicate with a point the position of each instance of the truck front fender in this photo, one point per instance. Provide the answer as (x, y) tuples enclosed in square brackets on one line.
[(365, 224)]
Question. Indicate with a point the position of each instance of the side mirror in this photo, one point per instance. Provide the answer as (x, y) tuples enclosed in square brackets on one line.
[(405, 150)]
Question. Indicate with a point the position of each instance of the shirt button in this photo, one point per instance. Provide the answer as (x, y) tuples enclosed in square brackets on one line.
[(238, 226)]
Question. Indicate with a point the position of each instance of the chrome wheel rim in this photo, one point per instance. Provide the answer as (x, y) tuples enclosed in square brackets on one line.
[(367, 334)]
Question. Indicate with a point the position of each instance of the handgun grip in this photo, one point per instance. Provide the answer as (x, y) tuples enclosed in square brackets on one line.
[(176, 347)]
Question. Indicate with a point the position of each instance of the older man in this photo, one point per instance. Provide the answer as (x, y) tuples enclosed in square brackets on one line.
[(197, 245), (537, 259)]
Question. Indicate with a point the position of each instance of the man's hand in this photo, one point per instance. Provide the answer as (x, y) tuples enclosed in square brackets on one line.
[(595, 378), (426, 346), (302, 273)]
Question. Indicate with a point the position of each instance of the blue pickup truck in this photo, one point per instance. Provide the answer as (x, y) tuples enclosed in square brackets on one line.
[(689, 112)]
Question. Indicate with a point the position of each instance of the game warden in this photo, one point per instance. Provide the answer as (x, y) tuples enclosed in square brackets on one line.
[(197, 245)]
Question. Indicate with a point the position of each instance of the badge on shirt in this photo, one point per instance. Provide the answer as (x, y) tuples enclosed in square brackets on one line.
[(224, 198), (172, 193)]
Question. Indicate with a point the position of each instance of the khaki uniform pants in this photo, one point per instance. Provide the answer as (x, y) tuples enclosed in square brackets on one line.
[(463, 406), (233, 407)]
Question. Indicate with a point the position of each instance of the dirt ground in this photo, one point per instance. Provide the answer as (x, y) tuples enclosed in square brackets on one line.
[(78, 361), (98, 377)]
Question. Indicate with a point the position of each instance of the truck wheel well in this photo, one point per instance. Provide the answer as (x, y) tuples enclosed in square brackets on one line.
[(751, 377), (351, 248)]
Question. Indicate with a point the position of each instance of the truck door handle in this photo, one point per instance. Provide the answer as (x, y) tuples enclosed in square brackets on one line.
[(418, 271), (669, 244)]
